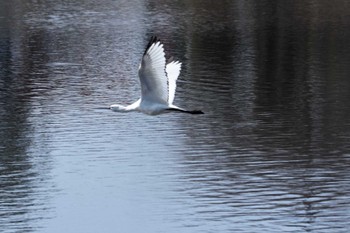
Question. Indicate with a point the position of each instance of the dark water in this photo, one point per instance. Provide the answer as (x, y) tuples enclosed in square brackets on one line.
[(271, 154)]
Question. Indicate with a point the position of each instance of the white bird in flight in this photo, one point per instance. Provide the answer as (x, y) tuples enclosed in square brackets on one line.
[(158, 83)]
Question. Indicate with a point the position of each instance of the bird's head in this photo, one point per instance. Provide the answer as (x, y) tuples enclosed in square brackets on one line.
[(118, 108)]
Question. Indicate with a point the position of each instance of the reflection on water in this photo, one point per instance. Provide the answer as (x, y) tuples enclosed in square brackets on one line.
[(271, 153)]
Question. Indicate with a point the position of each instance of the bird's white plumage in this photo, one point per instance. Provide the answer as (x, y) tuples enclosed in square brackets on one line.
[(152, 75), (158, 83), (173, 71)]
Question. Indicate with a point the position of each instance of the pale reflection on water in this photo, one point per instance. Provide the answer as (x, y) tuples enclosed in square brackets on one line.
[(271, 153)]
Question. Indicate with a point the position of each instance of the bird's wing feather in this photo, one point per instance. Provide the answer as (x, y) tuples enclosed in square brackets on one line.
[(152, 74), (173, 71)]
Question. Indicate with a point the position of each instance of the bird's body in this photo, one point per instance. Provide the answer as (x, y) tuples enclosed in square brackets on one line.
[(158, 83)]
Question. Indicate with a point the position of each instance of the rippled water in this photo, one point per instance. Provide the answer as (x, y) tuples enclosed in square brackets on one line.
[(270, 154)]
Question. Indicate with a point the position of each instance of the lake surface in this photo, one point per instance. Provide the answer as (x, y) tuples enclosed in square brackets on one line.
[(270, 154)]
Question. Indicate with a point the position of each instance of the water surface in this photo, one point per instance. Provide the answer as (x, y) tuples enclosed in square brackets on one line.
[(270, 154)]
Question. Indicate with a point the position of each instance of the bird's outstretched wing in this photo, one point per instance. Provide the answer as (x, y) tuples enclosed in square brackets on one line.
[(152, 74), (173, 71)]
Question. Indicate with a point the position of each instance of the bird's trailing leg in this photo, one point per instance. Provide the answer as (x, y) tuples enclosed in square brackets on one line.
[(186, 111)]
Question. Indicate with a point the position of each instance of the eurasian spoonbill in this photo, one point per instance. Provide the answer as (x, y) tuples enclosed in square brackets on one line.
[(158, 83)]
